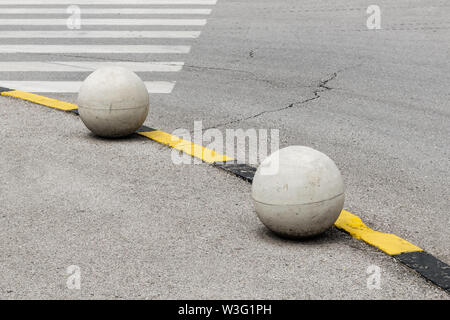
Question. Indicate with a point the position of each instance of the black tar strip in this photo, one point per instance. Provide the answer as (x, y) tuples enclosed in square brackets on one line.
[(427, 266)]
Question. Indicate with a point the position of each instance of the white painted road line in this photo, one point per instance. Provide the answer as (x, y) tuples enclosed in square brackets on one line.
[(105, 22), (84, 11), (107, 2), (74, 86), (80, 66), (181, 13), (114, 48), (69, 34)]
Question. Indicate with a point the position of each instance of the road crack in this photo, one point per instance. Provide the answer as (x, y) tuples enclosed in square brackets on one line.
[(322, 86)]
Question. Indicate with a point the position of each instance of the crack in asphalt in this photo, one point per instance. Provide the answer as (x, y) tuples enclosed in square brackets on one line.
[(321, 87)]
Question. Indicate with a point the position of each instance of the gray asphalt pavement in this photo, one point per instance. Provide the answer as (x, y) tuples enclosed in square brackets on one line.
[(139, 226)]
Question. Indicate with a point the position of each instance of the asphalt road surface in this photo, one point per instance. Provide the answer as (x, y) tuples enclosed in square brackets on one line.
[(138, 226)]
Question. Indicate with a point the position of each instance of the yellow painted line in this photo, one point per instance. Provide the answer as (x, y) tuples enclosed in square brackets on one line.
[(194, 150), (45, 101), (387, 242)]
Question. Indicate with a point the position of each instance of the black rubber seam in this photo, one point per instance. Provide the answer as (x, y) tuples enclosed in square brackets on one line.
[(427, 266), (2, 89), (241, 170), (145, 129)]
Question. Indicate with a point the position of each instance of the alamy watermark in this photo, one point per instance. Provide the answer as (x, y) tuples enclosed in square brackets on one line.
[(249, 146), (374, 278), (374, 20), (74, 20), (74, 279)]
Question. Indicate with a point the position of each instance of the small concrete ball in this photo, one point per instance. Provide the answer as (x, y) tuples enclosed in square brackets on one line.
[(113, 102), (303, 197)]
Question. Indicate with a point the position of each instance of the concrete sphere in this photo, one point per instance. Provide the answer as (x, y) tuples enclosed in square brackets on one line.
[(113, 102), (305, 195)]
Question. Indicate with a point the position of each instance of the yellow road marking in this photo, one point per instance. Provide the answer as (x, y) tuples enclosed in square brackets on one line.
[(387, 242), (45, 101), (195, 150)]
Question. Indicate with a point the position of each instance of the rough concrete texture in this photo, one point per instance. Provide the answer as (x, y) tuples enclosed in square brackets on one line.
[(138, 226)]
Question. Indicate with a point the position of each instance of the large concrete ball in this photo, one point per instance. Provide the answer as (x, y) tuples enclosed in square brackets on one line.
[(113, 102), (303, 197)]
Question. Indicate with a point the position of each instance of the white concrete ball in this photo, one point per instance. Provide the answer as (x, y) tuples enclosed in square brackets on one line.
[(303, 197), (113, 102)]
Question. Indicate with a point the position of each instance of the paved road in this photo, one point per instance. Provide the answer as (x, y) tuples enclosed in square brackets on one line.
[(138, 226)]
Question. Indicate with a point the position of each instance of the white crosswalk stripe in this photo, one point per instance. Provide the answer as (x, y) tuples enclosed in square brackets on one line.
[(69, 66), (74, 86), (43, 54), (116, 11), (105, 22), (108, 2), (100, 34), (112, 48)]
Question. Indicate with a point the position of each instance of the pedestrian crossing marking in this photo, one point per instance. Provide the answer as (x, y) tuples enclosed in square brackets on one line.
[(80, 66), (113, 48), (116, 11), (108, 2), (105, 22), (176, 22), (66, 34), (74, 86)]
